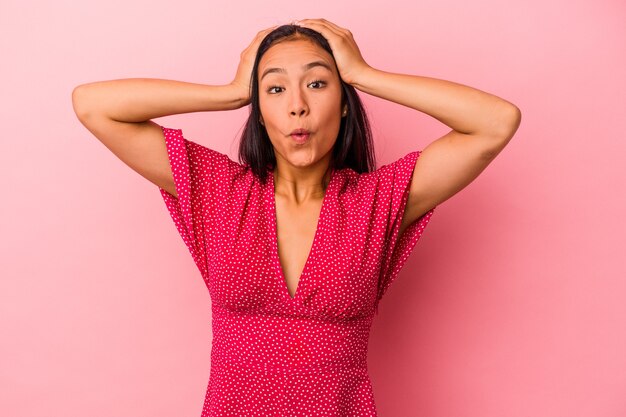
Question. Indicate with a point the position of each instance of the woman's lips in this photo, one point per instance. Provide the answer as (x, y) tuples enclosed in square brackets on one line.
[(301, 138)]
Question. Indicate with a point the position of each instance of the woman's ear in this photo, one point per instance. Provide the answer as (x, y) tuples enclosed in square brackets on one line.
[(261, 120), (345, 111)]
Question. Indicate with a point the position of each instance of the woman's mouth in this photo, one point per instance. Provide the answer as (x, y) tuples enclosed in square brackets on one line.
[(300, 136)]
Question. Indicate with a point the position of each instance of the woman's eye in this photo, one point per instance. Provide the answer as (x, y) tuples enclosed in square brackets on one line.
[(317, 84)]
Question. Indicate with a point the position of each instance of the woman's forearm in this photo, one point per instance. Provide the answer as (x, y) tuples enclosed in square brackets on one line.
[(142, 99), (462, 108)]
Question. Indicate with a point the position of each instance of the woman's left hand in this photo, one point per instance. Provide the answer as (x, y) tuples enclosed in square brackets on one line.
[(349, 60)]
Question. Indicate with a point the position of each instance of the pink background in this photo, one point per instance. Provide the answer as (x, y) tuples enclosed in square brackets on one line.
[(512, 304)]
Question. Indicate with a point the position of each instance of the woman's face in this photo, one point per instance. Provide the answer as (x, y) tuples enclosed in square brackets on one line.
[(294, 94)]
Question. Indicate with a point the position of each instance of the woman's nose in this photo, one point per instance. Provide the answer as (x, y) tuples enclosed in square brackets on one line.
[(298, 112), (298, 106)]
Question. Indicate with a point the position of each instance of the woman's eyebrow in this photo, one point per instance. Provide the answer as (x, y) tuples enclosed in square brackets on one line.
[(306, 67)]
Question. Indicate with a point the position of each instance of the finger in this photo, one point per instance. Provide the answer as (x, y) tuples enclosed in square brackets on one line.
[(258, 39), (264, 31), (261, 35), (334, 26), (322, 28), (330, 25)]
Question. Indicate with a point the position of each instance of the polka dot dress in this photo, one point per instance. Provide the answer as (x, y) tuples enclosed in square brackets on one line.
[(274, 354)]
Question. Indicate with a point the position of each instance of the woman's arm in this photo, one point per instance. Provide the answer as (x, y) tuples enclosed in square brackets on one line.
[(482, 125), (141, 99), (118, 114), (134, 100), (464, 109)]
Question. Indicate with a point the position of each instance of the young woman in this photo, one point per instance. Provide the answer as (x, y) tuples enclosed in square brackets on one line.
[(297, 242)]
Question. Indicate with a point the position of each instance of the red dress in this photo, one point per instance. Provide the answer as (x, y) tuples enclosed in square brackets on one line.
[(273, 354)]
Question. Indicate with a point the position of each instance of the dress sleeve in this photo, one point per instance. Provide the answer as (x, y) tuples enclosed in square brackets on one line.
[(393, 183), (200, 174)]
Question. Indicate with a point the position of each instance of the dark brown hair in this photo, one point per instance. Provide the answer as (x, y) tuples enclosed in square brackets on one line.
[(354, 146)]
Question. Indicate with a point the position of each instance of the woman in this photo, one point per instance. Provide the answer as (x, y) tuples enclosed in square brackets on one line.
[(298, 242)]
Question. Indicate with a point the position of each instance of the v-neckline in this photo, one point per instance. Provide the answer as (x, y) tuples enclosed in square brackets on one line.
[(280, 273)]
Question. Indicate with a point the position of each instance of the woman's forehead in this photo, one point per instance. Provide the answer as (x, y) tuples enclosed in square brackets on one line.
[(294, 53)]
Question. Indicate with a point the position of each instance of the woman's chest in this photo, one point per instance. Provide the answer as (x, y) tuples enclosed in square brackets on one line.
[(248, 270)]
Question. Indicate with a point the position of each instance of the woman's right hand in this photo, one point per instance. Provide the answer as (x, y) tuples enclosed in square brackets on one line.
[(244, 71)]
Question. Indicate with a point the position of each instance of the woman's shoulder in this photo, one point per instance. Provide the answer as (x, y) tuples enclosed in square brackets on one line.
[(388, 176), (353, 183)]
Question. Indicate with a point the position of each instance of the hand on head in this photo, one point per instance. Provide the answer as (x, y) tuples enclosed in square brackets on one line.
[(246, 63), (347, 55)]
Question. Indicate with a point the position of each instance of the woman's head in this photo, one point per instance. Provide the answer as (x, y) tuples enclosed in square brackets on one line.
[(286, 94)]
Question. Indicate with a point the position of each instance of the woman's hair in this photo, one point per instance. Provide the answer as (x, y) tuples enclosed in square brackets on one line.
[(353, 148)]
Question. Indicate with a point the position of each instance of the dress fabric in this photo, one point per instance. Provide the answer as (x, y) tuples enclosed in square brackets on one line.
[(273, 354)]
